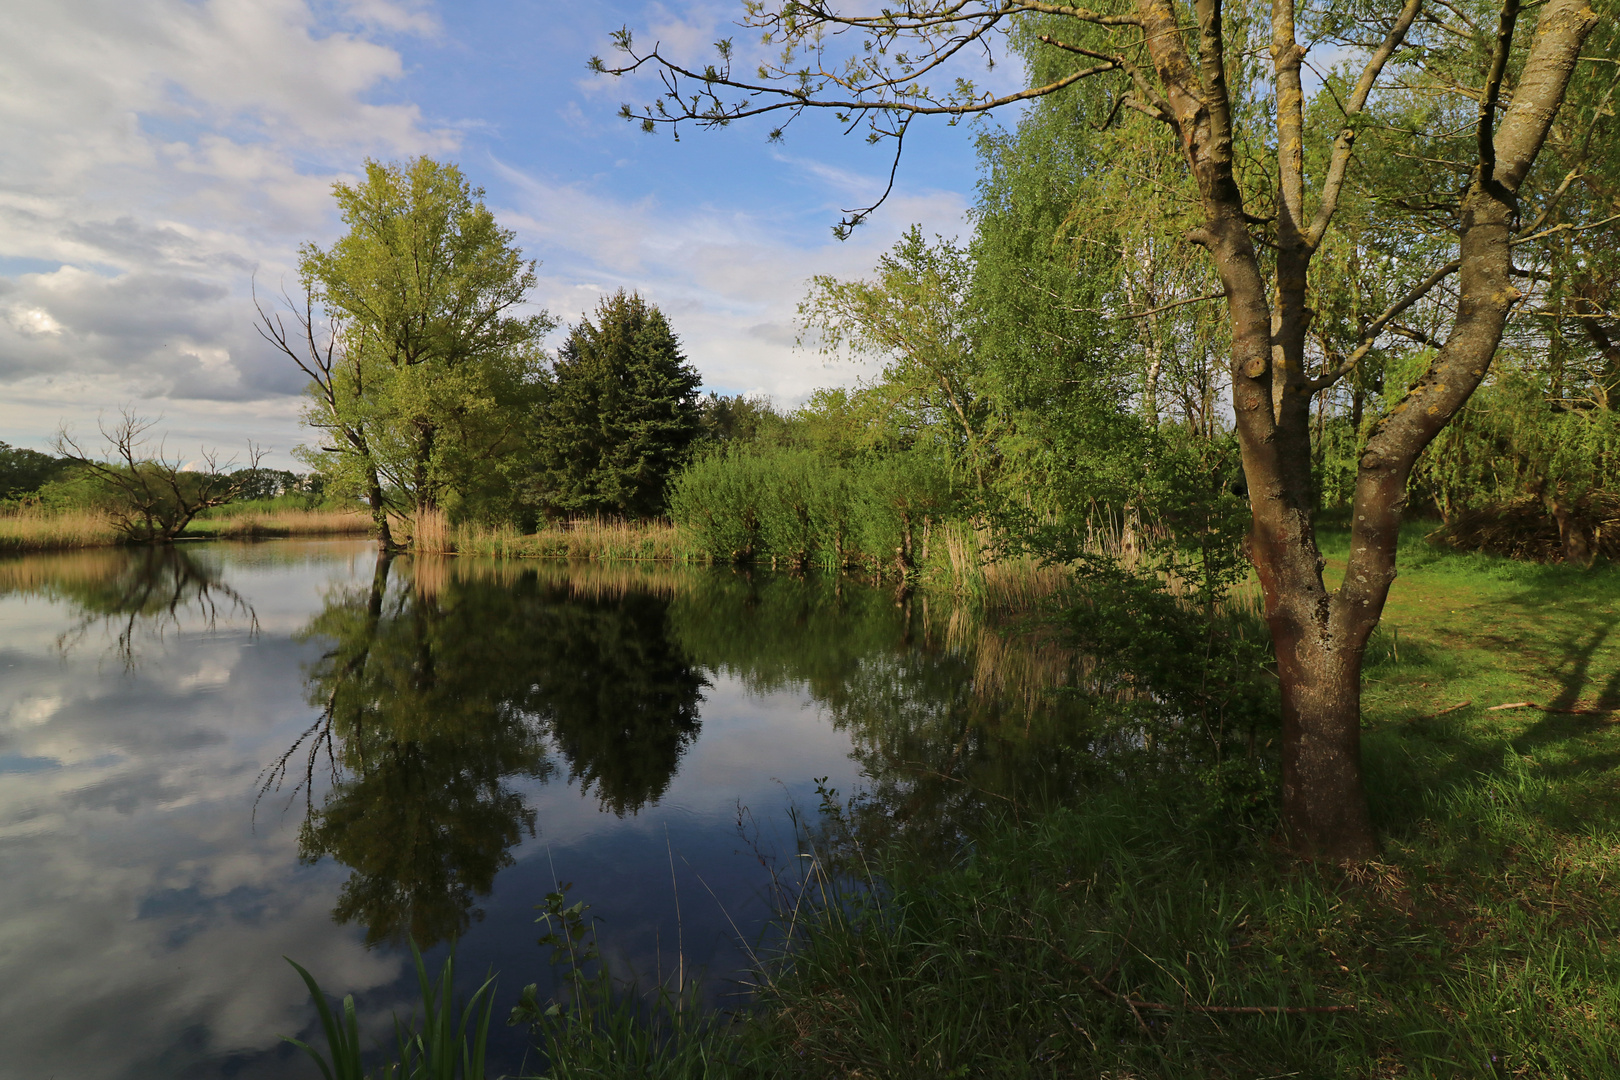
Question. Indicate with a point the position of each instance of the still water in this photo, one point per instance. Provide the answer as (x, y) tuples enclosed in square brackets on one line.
[(220, 755)]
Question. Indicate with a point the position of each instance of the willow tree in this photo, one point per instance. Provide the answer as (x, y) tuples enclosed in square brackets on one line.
[(1462, 88), (422, 380)]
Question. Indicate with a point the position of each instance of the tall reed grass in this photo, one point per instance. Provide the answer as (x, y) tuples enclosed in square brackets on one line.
[(586, 539), (283, 522), (35, 529)]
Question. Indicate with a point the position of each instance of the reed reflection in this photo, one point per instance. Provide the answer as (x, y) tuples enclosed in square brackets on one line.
[(131, 593), (949, 715), (444, 683)]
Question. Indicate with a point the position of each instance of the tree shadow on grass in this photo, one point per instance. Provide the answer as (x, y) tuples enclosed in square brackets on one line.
[(1576, 683), (1412, 767)]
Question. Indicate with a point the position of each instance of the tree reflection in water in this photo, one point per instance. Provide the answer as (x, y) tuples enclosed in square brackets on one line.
[(131, 593), (444, 682), (440, 686), (950, 718)]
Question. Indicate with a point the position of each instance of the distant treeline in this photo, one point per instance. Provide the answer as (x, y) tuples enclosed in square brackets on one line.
[(58, 482)]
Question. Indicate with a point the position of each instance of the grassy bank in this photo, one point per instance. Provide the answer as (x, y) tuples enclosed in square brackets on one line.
[(1138, 932), (28, 529)]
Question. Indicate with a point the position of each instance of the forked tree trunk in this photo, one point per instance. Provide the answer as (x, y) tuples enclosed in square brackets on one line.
[(1321, 637)]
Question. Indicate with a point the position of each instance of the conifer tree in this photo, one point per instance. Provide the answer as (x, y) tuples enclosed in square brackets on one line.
[(620, 415)]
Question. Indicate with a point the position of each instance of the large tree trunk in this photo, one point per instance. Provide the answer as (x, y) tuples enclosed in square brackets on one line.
[(379, 511), (1320, 637), (1322, 723)]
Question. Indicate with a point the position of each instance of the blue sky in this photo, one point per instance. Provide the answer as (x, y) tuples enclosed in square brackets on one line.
[(164, 155)]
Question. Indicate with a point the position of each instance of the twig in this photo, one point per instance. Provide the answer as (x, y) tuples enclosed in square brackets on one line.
[(1172, 304), (1442, 712), (1552, 709)]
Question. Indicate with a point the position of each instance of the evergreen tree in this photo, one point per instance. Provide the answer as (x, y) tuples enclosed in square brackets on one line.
[(621, 412)]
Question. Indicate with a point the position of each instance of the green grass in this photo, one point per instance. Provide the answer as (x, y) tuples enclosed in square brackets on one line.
[(1482, 943)]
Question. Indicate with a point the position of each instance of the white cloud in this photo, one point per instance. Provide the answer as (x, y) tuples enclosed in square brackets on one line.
[(158, 154), (163, 156), (729, 281)]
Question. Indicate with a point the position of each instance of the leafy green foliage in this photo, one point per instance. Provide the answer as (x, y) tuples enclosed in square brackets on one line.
[(740, 419), (24, 471), (619, 415), (797, 506), (441, 1045), (433, 374)]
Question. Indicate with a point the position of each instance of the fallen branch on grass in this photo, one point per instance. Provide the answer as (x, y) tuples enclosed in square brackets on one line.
[(1442, 712), (1551, 709)]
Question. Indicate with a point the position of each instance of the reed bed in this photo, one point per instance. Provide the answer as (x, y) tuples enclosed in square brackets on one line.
[(289, 522), (36, 529), (585, 539)]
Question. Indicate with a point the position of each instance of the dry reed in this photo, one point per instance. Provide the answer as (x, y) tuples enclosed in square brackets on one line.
[(586, 539), (36, 529), (283, 523)]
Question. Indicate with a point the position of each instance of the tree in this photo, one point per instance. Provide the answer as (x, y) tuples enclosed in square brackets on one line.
[(620, 414), (914, 318), (22, 471), (426, 371), (1467, 93), (340, 406), (151, 497)]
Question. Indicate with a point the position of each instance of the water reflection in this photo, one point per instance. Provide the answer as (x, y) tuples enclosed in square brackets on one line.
[(949, 717), (433, 717), (442, 683), (129, 593)]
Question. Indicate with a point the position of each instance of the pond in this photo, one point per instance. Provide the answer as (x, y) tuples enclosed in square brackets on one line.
[(218, 755)]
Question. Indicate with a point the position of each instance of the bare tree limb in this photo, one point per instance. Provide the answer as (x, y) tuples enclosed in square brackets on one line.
[(1369, 336)]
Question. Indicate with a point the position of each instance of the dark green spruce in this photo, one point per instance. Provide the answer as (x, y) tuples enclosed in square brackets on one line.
[(620, 415)]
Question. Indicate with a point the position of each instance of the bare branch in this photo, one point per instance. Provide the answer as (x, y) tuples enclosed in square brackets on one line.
[(1339, 164), (1173, 304), (1566, 227), (1369, 336)]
